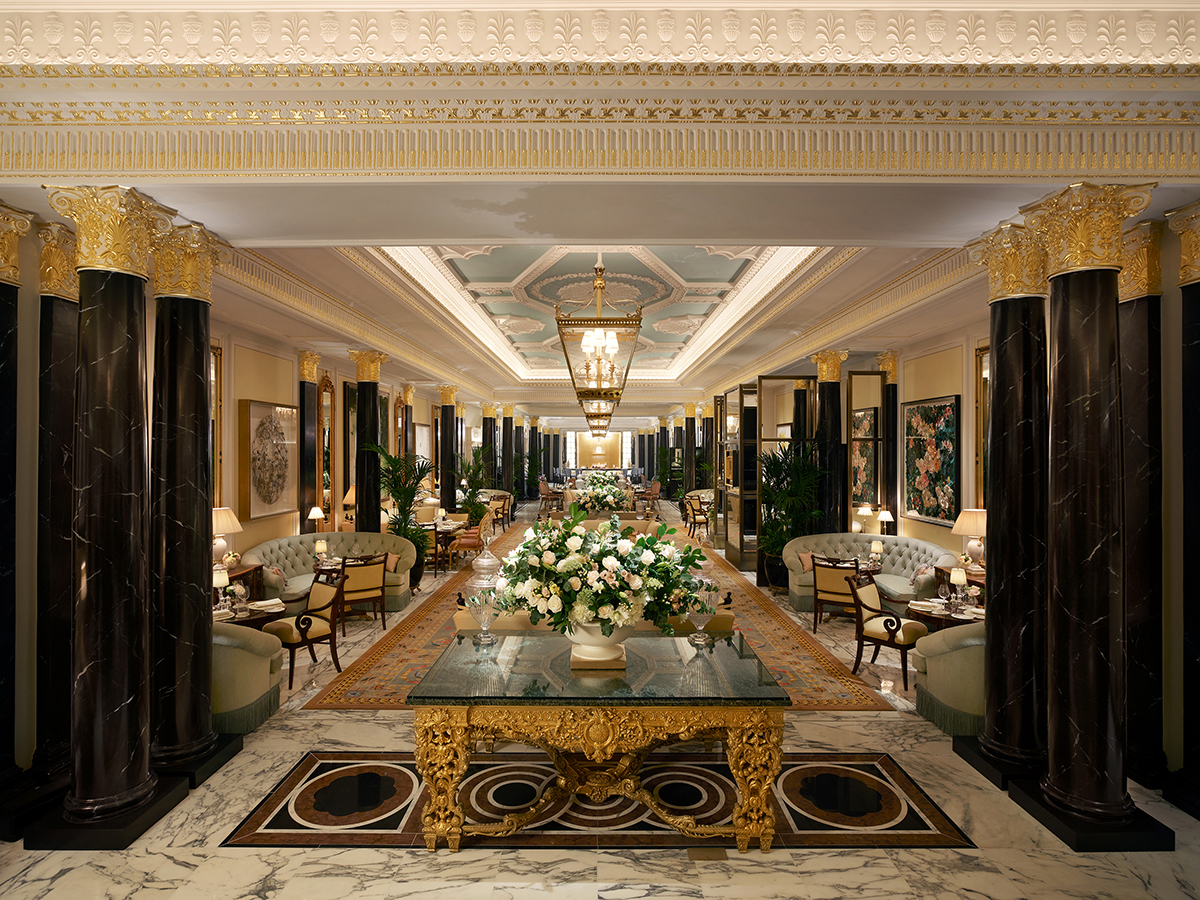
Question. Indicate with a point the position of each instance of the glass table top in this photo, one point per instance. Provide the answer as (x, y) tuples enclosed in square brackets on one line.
[(534, 668)]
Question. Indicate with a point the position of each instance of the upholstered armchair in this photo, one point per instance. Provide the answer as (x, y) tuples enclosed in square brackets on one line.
[(881, 627), (949, 678), (246, 668)]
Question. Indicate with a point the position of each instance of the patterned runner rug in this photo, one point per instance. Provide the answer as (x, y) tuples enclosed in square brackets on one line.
[(382, 677), (339, 799)]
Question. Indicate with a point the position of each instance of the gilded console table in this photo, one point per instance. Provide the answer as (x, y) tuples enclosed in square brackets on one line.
[(522, 690)]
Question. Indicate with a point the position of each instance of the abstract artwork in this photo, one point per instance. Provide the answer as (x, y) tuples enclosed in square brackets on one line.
[(268, 466), (931, 463), (864, 456)]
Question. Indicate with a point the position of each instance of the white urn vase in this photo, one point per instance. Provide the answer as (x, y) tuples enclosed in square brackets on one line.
[(593, 646)]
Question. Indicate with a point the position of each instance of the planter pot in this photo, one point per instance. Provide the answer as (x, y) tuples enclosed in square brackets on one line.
[(776, 571), (592, 645), (416, 572)]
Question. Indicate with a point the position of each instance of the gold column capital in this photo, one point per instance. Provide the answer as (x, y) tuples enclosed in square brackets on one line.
[(664, 421), (114, 225), (1016, 262), (367, 363), (460, 409), (689, 410), (506, 410), (518, 421), (556, 431), (678, 423), (183, 261), (799, 384), (56, 263), (489, 410), (308, 365), (889, 362), (533, 421), (410, 393), (448, 393), (1185, 222), (829, 364), (1141, 261), (13, 223), (1081, 224)]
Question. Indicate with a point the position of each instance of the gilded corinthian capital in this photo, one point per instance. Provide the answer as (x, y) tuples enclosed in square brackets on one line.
[(409, 393), (1141, 263), (489, 410), (533, 421), (1081, 225), (114, 226), (518, 421), (448, 393), (367, 363), (13, 223), (183, 261), (689, 410), (1015, 260), (829, 364), (506, 410), (1185, 222), (56, 263), (460, 409), (889, 362), (308, 365)]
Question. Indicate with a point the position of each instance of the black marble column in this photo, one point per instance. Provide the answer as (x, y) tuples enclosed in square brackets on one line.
[(181, 534), (56, 515), (651, 458), (8, 531), (677, 436), (1018, 477), (640, 440), (306, 432), (1086, 687), (1141, 419), (519, 453), (410, 430), (534, 461), (460, 433), (708, 448), (448, 464), (488, 442), (689, 453), (800, 414), (556, 451), (367, 513), (829, 455), (890, 447), (546, 455), (508, 477), (110, 701)]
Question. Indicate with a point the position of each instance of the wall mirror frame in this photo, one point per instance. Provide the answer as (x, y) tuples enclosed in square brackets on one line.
[(983, 405), (216, 392), (326, 410), (864, 440)]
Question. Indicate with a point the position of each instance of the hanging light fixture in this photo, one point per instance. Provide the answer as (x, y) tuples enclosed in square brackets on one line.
[(599, 348)]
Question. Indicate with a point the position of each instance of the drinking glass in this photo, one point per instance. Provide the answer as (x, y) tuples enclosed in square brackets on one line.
[(483, 610)]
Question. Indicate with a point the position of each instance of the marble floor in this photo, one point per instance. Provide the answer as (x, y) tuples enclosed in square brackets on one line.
[(1016, 859)]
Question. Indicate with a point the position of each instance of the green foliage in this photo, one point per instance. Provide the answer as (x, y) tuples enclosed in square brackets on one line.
[(473, 471), (533, 471), (401, 477), (670, 473), (788, 495)]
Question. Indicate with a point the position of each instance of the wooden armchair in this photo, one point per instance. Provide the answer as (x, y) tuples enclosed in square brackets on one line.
[(315, 625), (473, 538), (829, 587), (883, 628), (363, 585)]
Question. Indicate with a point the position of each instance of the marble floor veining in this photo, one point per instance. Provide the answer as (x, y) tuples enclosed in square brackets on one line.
[(180, 858)]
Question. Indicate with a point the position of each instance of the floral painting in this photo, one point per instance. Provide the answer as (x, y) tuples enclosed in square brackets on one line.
[(931, 463), (864, 477)]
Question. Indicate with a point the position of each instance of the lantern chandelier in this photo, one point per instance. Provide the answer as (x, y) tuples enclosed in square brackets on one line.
[(599, 349)]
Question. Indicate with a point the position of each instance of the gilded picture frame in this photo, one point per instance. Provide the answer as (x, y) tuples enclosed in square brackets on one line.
[(932, 464)]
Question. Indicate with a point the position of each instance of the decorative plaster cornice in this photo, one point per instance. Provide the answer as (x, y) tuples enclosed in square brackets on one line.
[(319, 42), (1141, 262)]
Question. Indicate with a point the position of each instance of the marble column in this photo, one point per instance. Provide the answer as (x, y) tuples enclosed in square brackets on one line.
[(1086, 662), (800, 409), (110, 700), (488, 441), (831, 487), (410, 425), (889, 469), (1014, 734), (546, 453), (1182, 786), (306, 433), (56, 498), (460, 428), (13, 224), (367, 513), (535, 455), (1139, 289), (664, 440), (507, 476), (708, 444), (519, 453), (689, 446), (556, 450), (447, 464), (181, 492), (651, 456)]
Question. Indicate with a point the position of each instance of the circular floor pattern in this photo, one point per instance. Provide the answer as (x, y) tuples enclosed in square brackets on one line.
[(491, 793), (352, 796), (843, 797)]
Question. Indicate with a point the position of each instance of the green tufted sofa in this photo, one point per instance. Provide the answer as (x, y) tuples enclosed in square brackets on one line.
[(950, 691), (294, 555), (247, 666), (900, 559)]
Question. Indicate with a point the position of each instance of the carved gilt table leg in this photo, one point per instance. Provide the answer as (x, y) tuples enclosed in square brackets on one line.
[(442, 756), (754, 751)]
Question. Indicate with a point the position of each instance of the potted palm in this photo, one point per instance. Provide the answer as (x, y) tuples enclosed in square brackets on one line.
[(402, 477), (472, 478), (788, 501)]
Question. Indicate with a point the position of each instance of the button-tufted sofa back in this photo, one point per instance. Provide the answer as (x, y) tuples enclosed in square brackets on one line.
[(901, 555), (294, 554)]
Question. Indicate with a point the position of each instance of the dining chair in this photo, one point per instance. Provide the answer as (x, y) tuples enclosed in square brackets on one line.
[(473, 538), (829, 587), (364, 585), (497, 508), (316, 624), (875, 625)]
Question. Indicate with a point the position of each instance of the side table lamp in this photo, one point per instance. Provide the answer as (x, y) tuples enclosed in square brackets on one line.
[(973, 524), (224, 522), (958, 578), (884, 518)]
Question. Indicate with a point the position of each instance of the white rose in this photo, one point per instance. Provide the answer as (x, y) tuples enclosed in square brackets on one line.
[(529, 534), (592, 577), (647, 557), (574, 542), (501, 583), (575, 583), (548, 557), (668, 551), (542, 605), (555, 605), (605, 612), (610, 563), (579, 530), (624, 546), (635, 582)]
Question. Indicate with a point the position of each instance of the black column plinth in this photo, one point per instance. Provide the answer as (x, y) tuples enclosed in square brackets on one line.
[(890, 421), (56, 515), (1014, 733), (1086, 693), (488, 441), (181, 535), (507, 476), (1141, 418), (367, 514), (829, 455), (689, 455), (110, 700), (306, 433), (447, 465), (1182, 787), (9, 771)]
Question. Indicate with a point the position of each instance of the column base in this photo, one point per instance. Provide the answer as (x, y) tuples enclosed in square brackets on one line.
[(1143, 834), (199, 770), (997, 771), (54, 832), (30, 803), (1181, 789)]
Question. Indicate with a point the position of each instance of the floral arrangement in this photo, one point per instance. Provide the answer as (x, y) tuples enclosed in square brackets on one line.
[(231, 559), (601, 493), (975, 594), (569, 575)]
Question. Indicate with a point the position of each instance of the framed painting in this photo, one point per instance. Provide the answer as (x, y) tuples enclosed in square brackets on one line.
[(268, 473), (932, 468), (864, 457)]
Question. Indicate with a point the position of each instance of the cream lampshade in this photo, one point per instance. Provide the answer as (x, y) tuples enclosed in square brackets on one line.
[(885, 516), (349, 499), (876, 546), (321, 547), (973, 524), (958, 577), (863, 511), (224, 522), (220, 576), (316, 513)]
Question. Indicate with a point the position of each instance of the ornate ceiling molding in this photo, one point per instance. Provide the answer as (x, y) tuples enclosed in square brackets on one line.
[(303, 36)]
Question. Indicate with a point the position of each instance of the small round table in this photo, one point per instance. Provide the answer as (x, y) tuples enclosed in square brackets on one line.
[(937, 621)]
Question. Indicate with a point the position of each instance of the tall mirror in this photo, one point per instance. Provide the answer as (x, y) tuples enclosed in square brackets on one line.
[(325, 442), (864, 451)]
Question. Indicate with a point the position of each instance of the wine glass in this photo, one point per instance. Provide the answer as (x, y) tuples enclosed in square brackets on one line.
[(483, 610), (944, 592)]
